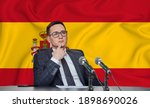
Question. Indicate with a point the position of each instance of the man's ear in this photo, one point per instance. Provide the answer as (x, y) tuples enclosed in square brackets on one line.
[(48, 38)]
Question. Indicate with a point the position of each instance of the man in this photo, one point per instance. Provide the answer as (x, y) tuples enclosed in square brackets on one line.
[(59, 65)]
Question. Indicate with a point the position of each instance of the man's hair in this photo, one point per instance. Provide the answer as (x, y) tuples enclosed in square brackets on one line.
[(54, 23)]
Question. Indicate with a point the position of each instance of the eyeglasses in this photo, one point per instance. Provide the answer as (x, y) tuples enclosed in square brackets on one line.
[(56, 34)]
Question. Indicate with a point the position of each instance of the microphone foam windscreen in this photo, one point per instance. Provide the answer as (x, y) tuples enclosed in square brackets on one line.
[(97, 60), (82, 60)]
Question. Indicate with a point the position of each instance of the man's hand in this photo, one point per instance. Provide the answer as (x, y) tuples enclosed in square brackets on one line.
[(59, 53)]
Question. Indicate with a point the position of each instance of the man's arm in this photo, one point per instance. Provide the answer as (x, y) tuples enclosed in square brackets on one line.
[(44, 73)]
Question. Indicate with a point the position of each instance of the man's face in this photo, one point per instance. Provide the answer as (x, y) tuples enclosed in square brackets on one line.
[(58, 36)]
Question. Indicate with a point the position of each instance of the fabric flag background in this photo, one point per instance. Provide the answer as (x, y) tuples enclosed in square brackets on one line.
[(117, 31)]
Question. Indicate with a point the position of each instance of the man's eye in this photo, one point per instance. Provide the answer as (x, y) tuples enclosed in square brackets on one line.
[(55, 33), (63, 32)]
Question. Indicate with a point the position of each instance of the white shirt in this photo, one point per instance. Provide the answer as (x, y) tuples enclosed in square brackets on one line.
[(72, 70)]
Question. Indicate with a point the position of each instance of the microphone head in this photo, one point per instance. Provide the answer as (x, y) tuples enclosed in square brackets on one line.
[(97, 60), (82, 60)]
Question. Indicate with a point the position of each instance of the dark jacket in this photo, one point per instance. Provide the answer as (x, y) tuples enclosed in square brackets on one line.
[(46, 72)]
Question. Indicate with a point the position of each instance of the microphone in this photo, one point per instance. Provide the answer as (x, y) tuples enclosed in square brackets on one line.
[(99, 62), (84, 62)]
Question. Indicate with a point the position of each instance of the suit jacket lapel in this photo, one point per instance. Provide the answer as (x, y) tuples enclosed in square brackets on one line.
[(76, 64)]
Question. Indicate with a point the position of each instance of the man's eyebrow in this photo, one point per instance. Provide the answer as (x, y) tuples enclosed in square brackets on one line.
[(55, 31), (58, 31)]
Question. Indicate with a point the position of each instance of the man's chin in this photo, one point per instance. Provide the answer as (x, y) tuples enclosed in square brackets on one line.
[(63, 46)]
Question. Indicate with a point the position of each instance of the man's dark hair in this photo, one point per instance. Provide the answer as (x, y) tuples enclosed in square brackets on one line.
[(54, 23)]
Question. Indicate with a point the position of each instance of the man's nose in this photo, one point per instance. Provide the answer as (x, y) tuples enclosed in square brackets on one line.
[(60, 36)]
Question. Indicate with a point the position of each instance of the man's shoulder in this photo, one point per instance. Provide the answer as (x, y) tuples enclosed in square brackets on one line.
[(76, 51), (43, 51)]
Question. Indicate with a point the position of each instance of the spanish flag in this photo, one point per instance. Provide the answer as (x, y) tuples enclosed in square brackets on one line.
[(117, 31)]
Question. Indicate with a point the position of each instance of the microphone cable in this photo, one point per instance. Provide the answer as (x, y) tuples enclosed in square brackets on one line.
[(115, 81), (99, 81), (99, 62)]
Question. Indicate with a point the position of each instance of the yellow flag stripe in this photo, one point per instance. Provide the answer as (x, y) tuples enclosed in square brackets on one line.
[(118, 44)]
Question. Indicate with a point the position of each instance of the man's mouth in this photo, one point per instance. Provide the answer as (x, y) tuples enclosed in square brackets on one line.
[(61, 41)]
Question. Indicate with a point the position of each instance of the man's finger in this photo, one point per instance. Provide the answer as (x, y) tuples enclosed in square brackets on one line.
[(59, 45)]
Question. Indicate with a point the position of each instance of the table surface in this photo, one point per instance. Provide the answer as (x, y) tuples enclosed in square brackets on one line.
[(70, 88)]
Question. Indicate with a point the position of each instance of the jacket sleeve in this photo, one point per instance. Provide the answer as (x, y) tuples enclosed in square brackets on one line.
[(44, 72)]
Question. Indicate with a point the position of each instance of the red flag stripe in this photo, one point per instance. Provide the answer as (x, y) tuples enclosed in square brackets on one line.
[(128, 76), (124, 76), (16, 76), (75, 11)]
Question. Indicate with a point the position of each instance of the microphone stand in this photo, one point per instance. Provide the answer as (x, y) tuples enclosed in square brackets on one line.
[(90, 81), (106, 88)]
